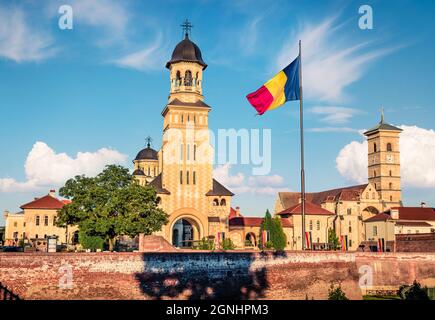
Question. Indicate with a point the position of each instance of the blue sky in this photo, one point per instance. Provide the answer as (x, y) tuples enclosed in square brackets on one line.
[(92, 94)]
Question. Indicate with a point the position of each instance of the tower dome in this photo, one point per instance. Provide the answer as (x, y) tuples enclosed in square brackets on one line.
[(187, 51), (148, 153)]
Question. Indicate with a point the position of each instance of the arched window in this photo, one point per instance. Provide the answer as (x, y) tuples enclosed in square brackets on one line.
[(46, 221), (391, 173), (194, 177), (187, 177), (389, 147), (375, 148), (149, 171), (154, 171), (188, 78), (178, 79), (196, 79), (374, 173), (318, 224), (390, 186), (181, 177), (223, 202), (391, 198), (158, 200), (215, 202), (37, 220)]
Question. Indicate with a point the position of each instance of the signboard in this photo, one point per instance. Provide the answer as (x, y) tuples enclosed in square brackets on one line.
[(51, 244)]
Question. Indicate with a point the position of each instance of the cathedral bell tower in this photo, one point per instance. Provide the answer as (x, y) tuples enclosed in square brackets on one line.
[(384, 162), (186, 152)]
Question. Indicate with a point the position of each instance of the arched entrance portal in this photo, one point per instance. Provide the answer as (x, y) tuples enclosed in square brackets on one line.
[(184, 232), (250, 240)]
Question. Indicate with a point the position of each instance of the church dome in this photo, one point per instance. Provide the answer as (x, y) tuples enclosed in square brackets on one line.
[(147, 154), (138, 172), (188, 51)]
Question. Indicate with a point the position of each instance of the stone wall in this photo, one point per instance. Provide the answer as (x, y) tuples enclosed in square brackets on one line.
[(415, 242), (196, 275)]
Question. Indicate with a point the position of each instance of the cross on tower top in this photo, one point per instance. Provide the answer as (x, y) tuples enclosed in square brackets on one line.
[(148, 140), (187, 26)]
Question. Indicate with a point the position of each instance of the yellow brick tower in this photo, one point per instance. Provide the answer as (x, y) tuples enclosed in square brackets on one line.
[(384, 162), (198, 206)]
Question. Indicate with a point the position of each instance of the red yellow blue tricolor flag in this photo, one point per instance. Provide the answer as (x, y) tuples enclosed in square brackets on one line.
[(283, 87)]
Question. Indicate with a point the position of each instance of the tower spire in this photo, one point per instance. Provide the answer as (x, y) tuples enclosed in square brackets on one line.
[(187, 26)]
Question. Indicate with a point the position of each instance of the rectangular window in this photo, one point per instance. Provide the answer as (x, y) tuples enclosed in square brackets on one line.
[(181, 152), (349, 211), (187, 177), (15, 224), (46, 221), (181, 177), (311, 225), (194, 152), (194, 177), (188, 152), (375, 230)]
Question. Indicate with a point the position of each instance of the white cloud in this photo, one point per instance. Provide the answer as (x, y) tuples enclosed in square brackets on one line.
[(417, 150), (328, 66), (334, 115), (238, 183), (150, 58), (20, 41), (44, 167), (110, 15)]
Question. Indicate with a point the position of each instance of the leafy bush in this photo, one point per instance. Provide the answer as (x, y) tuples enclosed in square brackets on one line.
[(227, 244), (205, 244), (413, 292), (91, 242), (333, 239), (336, 293)]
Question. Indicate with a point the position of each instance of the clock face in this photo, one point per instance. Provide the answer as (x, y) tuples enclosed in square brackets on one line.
[(390, 158)]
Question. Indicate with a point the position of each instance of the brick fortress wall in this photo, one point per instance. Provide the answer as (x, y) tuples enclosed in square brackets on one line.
[(196, 275)]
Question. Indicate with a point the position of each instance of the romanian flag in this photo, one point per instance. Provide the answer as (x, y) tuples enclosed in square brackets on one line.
[(283, 87)]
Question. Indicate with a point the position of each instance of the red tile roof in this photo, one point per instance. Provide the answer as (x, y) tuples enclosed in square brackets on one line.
[(413, 224), (255, 222), (416, 213), (379, 217), (46, 202), (310, 209), (351, 193), (233, 213)]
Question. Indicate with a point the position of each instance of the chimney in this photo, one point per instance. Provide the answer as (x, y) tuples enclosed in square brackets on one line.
[(423, 205), (394, 213), (5, 213), (52, 193), (237, 211)]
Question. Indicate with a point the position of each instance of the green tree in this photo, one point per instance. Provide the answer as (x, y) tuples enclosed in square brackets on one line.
[(90, 242), (336, 293), (333, 239), (205, 244), (266, 225), (111, 204), (278, 238)]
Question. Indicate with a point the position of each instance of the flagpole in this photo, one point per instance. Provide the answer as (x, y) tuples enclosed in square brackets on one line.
[(301, 111)]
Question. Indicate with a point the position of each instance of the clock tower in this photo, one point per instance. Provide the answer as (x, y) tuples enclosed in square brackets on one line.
[(384, 162)]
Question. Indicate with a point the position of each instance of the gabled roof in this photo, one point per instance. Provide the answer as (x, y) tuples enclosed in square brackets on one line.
[(46, 202), (219, 190), (157, 183), (416, 213), (233, 213), (352, 193), (310, 209), (255, 222), (379, 217)]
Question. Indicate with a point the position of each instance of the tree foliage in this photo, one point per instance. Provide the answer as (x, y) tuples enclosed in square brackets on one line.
[(336, 293), (333, 239), (277, 238), (227, 244), (111, 204)]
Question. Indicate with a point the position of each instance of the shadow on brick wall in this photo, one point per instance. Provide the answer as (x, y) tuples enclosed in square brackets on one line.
[(195, 276)]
